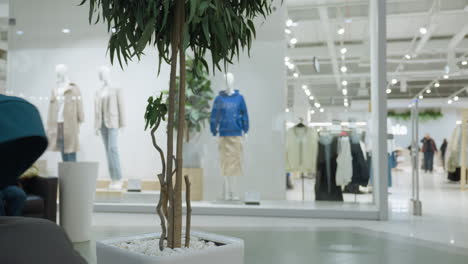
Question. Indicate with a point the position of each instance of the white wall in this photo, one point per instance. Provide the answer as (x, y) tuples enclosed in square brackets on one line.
[(264, 146), (261, 79), (32, 72)]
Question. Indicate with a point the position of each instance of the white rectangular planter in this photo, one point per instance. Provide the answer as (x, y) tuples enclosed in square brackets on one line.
[(231, 252)]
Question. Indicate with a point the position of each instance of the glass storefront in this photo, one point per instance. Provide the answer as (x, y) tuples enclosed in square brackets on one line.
[(291, 130)]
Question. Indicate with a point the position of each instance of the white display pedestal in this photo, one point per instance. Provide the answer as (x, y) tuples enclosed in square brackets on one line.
[(77, 191)]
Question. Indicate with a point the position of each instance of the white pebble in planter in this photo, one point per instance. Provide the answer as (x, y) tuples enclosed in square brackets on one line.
[(205, 248)]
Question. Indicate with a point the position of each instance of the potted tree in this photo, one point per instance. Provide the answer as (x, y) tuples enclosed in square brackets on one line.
[(220, 28)]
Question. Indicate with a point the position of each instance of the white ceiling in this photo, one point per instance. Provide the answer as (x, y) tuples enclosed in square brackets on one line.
[(318, 22)]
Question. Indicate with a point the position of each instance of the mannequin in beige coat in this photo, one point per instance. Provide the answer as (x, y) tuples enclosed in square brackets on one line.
[(65, 116)]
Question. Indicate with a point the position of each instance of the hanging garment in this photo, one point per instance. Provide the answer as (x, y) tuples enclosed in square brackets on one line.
[(231, 153), (453, 161), (325, 183), (109, 109), (73, 116), (301, 150), (229, 116), (455, 176), (344, 162), (360, 169)]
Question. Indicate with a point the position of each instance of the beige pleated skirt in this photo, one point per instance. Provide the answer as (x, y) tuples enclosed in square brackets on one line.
[(231, 153)]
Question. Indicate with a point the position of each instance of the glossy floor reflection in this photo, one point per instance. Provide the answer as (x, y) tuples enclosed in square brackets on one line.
[(327, 245), (344, 246), (439, 236)]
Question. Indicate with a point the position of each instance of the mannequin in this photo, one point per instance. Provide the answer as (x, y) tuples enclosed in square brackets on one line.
[(230, 118), (229, 77), (65, 116), (109, 118)]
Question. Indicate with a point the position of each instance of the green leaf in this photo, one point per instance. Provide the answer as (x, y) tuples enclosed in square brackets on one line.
[(145, 37)]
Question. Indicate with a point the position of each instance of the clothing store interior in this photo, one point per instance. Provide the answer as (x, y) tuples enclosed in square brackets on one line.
[(343, 114)]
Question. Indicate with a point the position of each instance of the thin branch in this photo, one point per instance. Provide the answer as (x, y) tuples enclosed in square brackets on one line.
[(188, 221), (156, 146), (160, 212)]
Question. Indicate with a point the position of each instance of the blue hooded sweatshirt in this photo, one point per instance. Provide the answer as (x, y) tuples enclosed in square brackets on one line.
[(229, 116)]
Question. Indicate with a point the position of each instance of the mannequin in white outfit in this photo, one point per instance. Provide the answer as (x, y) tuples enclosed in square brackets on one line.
[(109, 119)]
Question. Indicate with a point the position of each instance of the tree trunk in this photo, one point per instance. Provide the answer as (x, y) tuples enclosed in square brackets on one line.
[(180, 135), (170, 130)]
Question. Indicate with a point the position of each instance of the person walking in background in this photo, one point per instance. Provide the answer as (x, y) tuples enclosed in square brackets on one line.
[(428, 148), (443, 150)]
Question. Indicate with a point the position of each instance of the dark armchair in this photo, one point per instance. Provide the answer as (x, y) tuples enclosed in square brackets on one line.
[(41, 197)]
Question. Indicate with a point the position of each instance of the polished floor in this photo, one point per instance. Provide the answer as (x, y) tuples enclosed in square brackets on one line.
[(439, 236)]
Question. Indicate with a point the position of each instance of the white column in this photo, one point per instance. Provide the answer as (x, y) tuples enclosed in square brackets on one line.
[(77, 191), (378, 45)]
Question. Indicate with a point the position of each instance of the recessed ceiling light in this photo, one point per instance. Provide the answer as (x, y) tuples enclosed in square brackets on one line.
[(307, 92), (345, 92), (450, 101), (408, 57), (287, 110), (437, 85), (389, 91), (289, 23), (344, 83), (312, 111), (343, 51), (286, 59), (428, 91), (421, 97), (341, 31), (346, 104), (19, 32), (113, 30), (322, 110), (296, 75), (446, 76), (304, 87), (456, 98), (394, 81), (423, 30), (287, 31), (291, 66), (344, 69), (317, 105), (66, 31), (293, 41), (464, 63), (311, 97)]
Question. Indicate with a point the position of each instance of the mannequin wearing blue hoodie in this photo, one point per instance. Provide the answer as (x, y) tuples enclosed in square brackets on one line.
[(230, 120)]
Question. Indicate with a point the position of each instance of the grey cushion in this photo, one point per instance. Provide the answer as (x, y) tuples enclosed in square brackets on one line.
[(31, 240)]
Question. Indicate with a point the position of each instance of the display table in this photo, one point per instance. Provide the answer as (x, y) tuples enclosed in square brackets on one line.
[(77, 182)]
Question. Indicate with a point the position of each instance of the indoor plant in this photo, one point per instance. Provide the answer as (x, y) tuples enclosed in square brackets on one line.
[(222, 28)]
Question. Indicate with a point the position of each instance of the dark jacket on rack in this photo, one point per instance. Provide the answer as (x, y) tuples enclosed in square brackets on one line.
[(325, 183), (360, 168)]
